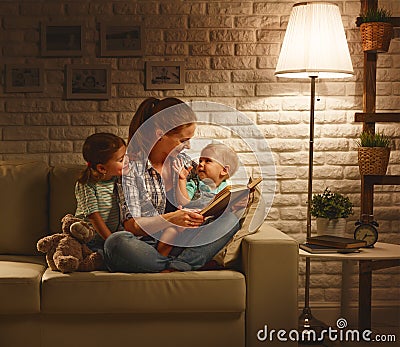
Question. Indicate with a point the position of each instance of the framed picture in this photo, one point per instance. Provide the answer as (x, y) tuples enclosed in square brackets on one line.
[(24, 78), (88, 81), (61, 39), (165, 75), (121, 40)]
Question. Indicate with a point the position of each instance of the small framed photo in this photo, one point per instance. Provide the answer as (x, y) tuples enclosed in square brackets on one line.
[(84, 81), (165, 75), (61, 39), (121, 40), (24, 78)]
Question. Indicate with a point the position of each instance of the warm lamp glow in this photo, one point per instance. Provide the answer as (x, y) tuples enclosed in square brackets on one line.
[(315, 43)]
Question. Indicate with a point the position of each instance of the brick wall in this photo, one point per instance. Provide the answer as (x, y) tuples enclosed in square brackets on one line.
[(230, 49)]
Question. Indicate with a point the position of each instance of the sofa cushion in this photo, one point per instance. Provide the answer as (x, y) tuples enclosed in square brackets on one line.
[(104, 292), (20, 279), (23, 201), (62, 193)]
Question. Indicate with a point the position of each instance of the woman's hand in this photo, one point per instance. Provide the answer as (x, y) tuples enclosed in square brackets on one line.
[(186, 218)]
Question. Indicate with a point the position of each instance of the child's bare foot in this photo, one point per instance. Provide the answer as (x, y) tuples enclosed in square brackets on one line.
[(164, 249)]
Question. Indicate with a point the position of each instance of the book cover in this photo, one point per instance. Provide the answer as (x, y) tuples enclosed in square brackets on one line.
[(336, 241), (228, 196), (317, 249)]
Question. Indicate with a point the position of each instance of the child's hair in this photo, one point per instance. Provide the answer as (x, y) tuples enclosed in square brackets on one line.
[(222, 154), (98, 149)]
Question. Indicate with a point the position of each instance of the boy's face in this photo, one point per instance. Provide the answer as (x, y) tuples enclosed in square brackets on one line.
[(210, 168)]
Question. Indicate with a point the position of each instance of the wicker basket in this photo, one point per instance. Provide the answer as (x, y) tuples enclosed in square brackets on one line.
[(373, 160), (376, 36)]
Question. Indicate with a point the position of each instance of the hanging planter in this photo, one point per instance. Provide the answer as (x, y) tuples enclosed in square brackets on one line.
[(376, 31), (373, 153), (373, 160)]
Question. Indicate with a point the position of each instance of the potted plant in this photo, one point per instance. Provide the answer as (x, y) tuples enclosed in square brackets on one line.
[(376, 30), (331, 211), (373, 153)]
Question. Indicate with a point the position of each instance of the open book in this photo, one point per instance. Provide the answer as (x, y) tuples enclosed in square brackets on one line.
[(228, 196)]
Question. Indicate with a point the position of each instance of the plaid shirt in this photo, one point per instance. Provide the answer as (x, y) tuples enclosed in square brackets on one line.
[(142, 193)]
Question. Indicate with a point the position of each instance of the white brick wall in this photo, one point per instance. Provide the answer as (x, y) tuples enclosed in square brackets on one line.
[(230, 49)]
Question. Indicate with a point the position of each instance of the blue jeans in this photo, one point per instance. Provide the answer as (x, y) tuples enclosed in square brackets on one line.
[(124, 252)]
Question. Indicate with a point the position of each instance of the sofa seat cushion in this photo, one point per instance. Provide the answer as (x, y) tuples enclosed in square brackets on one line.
[(20, 279), (105, 292)]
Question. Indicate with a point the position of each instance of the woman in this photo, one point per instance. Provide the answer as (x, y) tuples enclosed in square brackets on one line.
[(159, 131)]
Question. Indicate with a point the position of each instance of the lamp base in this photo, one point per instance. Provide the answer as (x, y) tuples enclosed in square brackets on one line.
[(310, 328)]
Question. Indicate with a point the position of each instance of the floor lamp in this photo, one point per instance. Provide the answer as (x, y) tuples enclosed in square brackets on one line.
[(314, 47)]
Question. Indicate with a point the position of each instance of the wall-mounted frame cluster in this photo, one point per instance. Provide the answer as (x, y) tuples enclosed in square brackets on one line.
[(91, 81)]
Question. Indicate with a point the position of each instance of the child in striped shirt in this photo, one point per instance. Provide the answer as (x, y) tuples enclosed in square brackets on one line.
[(95, 189)]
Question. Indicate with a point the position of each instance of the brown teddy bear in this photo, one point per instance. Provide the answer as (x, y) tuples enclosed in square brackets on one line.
[(67, 252)]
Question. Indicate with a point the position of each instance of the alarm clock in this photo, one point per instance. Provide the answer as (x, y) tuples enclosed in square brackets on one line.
[(367, 232)]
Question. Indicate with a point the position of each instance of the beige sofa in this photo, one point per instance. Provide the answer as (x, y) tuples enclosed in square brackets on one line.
[(40, 307)]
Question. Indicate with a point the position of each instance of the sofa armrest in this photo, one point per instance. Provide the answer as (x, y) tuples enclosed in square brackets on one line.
[(270, 264)]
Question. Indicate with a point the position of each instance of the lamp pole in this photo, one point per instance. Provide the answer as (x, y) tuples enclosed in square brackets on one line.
[(310, 155), (306, 321)]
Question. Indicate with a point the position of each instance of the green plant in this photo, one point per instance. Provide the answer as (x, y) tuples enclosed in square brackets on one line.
[(378, 15), (367, 139), (331, 205)]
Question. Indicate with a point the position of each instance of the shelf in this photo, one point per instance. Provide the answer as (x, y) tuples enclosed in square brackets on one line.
[(382, 179), (377, 117)]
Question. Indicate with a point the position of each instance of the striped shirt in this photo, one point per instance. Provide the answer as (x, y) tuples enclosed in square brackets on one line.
[(98, 197)]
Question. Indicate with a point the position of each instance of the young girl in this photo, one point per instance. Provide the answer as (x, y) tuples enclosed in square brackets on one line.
[(217, 163), (95, 193)]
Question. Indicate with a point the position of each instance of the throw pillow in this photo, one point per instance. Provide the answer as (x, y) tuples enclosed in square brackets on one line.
[(252, 219)]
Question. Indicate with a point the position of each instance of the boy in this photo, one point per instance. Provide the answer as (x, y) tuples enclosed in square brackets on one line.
[(217, 163)]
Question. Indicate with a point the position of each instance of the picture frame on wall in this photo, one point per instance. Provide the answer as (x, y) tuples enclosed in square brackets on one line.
[(61, 39), (162, 75), (88, 82), (24, 78), (121, 40)]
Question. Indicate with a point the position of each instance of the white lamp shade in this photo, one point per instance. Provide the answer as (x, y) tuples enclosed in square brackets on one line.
[(315, 43)]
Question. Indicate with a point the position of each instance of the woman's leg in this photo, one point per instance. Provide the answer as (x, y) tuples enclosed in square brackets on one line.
[(193, 258), (124, 252)]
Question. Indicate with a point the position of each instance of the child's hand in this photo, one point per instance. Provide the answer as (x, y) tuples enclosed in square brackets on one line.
[(180, 168)]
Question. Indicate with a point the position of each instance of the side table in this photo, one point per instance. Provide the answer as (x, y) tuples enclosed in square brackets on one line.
[(382, 256)]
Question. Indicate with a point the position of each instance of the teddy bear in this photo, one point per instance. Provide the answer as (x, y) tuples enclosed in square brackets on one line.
[(67, 251)]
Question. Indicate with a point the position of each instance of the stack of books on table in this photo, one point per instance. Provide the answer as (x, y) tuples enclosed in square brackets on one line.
[(332, 244)]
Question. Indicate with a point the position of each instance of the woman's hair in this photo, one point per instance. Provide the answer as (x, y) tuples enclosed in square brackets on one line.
[(223, 155), (173, 121), (98, 149)]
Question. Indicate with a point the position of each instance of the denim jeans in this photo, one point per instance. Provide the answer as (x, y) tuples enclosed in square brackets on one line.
[(124, 252)]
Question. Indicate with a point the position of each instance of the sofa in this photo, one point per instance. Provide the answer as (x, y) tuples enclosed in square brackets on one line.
[(40, 307)]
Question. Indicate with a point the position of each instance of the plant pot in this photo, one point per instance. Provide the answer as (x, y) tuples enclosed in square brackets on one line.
[(336, 227), (373, 160), (376, 36)]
